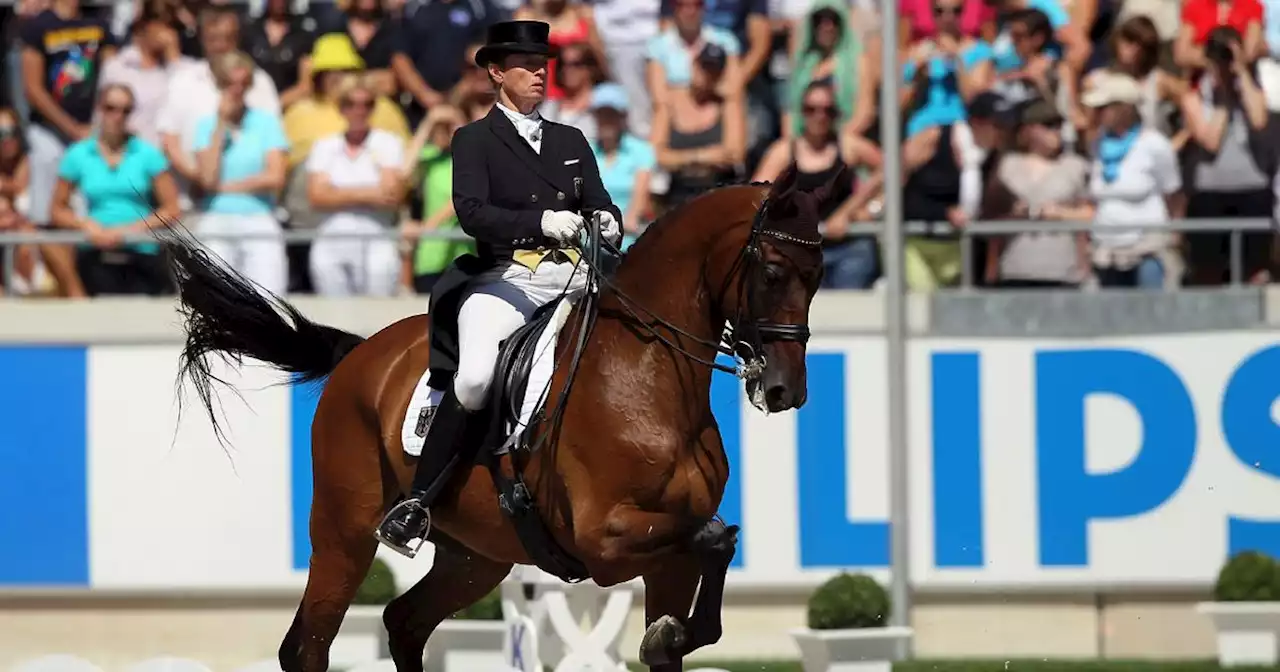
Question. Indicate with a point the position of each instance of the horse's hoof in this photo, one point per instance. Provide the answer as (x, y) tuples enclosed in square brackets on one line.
[(660, 640)]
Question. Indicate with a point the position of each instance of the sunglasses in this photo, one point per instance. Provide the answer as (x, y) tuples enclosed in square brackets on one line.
[(117, 109), (8, 131), (825, 110), (946, 10)]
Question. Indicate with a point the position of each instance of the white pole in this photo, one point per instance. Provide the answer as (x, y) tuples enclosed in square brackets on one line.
[(895, 315)]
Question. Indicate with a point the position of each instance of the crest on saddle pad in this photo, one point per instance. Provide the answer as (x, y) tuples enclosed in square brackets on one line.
[(528, 391)]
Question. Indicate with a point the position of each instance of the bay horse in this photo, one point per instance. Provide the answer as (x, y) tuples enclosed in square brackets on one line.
[(634, 479)]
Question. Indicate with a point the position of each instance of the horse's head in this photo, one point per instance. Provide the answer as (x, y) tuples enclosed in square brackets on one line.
[(778, 272)]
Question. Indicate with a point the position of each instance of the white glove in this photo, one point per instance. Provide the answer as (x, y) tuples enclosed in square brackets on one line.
[(562, 225), (608, 226)]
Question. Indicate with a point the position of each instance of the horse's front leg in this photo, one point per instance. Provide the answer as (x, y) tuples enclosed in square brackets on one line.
[(670, 636)]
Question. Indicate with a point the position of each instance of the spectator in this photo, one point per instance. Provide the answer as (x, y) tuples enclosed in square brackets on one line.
[(475, 94), (1026, 59), (571, 24), (626, 161), (333, 58), (240, 156), (1135, 179), (945, 73), (917, 21), (625, 28), (280, 43), (147, 66), (14, 177), (380, 42), (673, 51), (1037, 180), (748, 22), (1067, 40), (1230, 160), (62, 54), (578, 73), (429, 156), (120, 176), (699, 134), (827, 48), (194, 93), (1136, 51), (1165, 15), (437, 34), (818, 153), (1200, 17), (944, 182), (355, 178)]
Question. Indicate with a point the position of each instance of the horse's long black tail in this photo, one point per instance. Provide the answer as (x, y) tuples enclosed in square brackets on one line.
[(227, 315)]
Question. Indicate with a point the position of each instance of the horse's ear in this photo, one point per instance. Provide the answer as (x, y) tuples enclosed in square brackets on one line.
[(837, 188), (784, 184)]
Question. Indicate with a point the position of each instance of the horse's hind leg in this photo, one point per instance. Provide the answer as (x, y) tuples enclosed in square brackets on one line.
[(458, 579), (344, 513), (669, 637)]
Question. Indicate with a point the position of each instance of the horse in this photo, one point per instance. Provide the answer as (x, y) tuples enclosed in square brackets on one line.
[(632, 480)]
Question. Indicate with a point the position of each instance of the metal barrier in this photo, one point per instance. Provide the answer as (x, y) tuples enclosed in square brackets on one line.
[(965, 236)]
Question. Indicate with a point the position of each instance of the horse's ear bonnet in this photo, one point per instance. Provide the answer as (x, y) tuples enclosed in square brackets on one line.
[(795, 212)]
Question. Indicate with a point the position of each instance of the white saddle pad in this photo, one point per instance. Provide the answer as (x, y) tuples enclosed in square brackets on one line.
[(535, 393)]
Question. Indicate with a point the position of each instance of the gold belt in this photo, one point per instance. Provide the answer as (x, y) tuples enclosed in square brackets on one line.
[(530, 259)]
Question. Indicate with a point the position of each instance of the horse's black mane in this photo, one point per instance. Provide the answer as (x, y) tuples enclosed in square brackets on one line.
[(675, 209)]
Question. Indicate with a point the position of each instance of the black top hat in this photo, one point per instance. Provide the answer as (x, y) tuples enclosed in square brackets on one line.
[(515, 37)]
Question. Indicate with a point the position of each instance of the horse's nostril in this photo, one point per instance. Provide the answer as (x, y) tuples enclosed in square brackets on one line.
[(774, 395)]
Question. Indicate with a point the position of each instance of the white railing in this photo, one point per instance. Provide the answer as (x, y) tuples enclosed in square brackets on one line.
[(966, 236)]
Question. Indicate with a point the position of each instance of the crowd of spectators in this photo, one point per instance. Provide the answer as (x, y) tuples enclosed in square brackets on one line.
[(244, 121)]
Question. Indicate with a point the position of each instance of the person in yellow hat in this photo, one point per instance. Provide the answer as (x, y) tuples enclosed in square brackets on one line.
[(332, 58)]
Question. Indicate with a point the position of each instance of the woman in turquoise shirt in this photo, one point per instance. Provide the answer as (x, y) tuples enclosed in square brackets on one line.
[(626, 162), (240, 160), (126, 184)]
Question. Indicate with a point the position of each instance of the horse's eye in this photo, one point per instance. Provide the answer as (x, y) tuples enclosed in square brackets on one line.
[(772, 274)]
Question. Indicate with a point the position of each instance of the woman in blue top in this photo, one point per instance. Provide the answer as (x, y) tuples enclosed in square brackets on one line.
[(120, 177), (240, 160), (626, 162), (946, 72)]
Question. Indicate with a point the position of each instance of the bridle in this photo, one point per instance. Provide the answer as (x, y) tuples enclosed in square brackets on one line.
[(752, 334)]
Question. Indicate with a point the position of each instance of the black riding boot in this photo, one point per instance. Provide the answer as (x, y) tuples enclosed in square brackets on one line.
[(410, 519)]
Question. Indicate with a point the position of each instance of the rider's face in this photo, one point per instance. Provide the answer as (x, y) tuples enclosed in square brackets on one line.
[(522, 76)]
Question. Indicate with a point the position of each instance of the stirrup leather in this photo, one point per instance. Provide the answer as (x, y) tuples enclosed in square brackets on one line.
[(413, 540)]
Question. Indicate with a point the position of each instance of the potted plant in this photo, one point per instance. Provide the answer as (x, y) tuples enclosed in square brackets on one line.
[(470, 640), (1246, 610), (847, 631), (363, 637)]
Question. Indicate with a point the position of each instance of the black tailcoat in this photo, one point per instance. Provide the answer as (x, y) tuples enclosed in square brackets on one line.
[(500, 189)]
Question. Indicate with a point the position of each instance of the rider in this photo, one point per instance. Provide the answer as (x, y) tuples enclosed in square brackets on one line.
[(519, 185)]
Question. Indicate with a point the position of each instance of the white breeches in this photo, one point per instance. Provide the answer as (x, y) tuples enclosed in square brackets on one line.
[(499, 302), (261, 257), (346, 266)]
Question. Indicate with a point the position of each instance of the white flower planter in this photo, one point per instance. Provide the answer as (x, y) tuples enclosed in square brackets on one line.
[(361, 639), (1248, 632), (462, 645), (855, 650)]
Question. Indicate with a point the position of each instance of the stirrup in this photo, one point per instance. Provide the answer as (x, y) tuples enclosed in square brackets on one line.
[(414, 540)]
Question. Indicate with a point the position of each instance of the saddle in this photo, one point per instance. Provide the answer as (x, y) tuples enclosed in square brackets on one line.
[(502, 415)]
